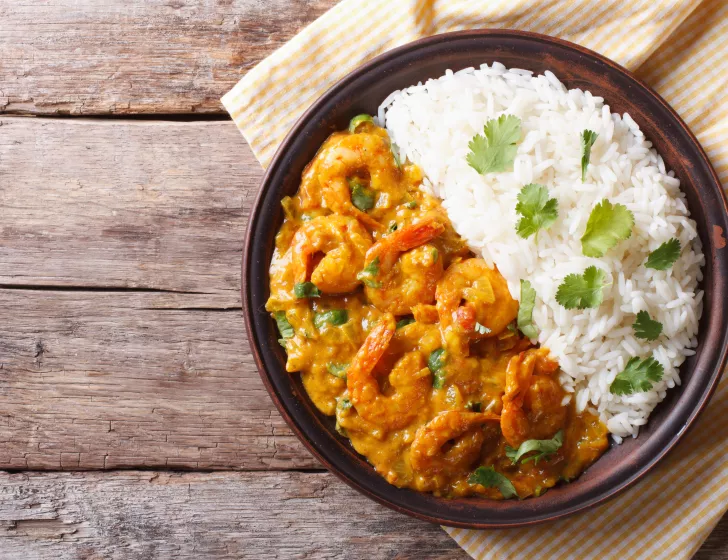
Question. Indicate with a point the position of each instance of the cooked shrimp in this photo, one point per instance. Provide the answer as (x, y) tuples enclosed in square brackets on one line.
[(410, 379), (407, 270), (471, 292), (532, 406), (427, 455), (349, 156), (343, 242)]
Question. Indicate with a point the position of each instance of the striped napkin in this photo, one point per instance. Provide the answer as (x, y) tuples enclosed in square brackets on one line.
[(677, 46)]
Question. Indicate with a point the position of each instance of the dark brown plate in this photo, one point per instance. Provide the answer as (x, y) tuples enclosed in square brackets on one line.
[(361, 92)]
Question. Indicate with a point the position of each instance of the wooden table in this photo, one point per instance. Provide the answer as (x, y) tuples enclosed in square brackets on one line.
[(133, 423)]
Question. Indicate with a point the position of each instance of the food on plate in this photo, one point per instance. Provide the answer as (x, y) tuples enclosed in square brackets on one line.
[(411, 341), (486, 282)]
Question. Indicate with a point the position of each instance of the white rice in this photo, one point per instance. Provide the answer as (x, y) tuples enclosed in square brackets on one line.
[(432, 123)]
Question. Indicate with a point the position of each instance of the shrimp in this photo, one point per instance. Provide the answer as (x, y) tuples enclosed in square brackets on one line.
[(410, 378), (426, 452), (472, 293), (344, 243), (348, 156), (532, 406), (407, 270)]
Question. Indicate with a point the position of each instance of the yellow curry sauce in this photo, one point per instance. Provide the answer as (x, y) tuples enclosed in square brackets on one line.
[(404, 336)]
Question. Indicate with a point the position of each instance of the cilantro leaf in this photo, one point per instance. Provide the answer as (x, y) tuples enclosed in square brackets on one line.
[(334, 317), (436, 364), (404, 322), (608, 224), (496, 150), (337, 370), (579, 291), (588, 137), (637, 377), (544, 448), (368, 274), (306, 290), (488, 477), (537, 210), (284, 327), (645, 327), (343, 404), (665, 255), (525, 310), (392, 227), (361, 197)]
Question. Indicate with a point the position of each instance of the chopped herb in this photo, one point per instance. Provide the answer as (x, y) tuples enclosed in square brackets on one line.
[(411, 204), (337, 370), (474, 406), (359, 119), (608, 224), (665, 255), (543, 447), (580, 291), (306, 290), (435, 254), (392, 227), (637, 377), (289, 210), (525, 310), (334, 317), (284, 327), (537, 210), (481, 329), (512, 327), (395, 155), (489, 478), (368, 274), (361, 197), (343, 404), (405, 321), (496, 149), (588, 137), (436, 363), (647, 328)]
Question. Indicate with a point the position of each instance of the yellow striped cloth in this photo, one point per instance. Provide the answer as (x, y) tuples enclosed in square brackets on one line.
[(677, 46)]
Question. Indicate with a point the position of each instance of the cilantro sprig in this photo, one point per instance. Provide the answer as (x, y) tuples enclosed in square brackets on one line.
[(582, 291), (495, 150), (436, 364), (361, 196), (306, 290), (489, 478), (588, 137), (284, 327), (647, 328), (525, 310), (665, 255), (543, 447), (334, 317), (369, 273), (537, 210), (337, 370), (608, 224), (638, 376)]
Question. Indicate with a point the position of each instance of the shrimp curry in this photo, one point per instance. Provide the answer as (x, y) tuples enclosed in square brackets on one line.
[(409, 340)]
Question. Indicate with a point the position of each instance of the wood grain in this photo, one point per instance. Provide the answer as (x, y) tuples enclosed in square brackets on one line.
[(138, 56), (150, 368), (124, 204), (132, 514)]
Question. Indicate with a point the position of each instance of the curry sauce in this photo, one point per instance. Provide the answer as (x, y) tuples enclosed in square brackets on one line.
[(406, 338)]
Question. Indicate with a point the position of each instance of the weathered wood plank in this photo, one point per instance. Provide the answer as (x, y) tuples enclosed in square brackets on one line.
[(114, 203), (132, 514), (137, 56), (716, 546), (102, 380)]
